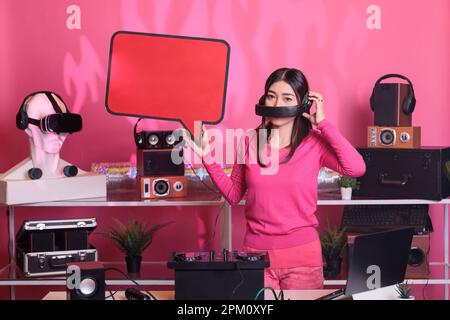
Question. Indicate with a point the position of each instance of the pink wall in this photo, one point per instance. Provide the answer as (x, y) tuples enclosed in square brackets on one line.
[(329, 40)]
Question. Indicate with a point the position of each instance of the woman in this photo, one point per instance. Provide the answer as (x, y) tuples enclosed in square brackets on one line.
[(280, 208)]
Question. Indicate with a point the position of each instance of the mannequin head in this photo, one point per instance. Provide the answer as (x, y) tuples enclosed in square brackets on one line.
[(47, 121), (37, 107)]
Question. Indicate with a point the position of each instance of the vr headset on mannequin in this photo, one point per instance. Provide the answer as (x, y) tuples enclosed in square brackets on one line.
[(58, 122), (283, 112)]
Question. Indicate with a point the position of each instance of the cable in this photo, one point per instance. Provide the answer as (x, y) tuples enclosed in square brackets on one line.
[(136, 283), (215, 191), (111, 294), (241, 282), (193, 170), (426, 284), (271, 289), (214, 232)]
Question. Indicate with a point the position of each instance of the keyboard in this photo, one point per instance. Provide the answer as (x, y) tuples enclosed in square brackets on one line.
[(373, 218)]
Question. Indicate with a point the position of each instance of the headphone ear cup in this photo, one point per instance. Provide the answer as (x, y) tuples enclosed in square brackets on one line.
[(408, 104), (21, 119), (372, 107), (372, 96), (35, 173), (70, 171)]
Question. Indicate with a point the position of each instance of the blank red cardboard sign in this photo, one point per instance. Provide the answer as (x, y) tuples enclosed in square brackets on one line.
[(167, 77)]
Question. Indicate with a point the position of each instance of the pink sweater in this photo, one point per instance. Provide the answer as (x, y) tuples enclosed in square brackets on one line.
[(280, 208)]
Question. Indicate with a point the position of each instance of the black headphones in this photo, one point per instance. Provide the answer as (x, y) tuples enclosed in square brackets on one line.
[(408, 103), (293, 111), (22, 119)]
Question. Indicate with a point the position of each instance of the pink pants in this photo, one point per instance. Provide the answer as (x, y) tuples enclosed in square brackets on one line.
[(297, 278)]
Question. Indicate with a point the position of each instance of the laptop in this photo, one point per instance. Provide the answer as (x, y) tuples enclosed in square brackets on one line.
[(376, 260)]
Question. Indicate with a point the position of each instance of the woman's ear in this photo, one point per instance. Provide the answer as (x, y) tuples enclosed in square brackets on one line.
[(28, 132)]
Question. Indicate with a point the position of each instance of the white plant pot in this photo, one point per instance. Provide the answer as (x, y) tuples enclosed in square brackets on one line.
[(346, 193)]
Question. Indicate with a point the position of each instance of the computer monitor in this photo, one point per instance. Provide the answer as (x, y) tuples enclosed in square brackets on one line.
[(378, 259)]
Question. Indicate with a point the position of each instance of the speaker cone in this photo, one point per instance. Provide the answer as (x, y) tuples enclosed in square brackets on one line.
[(88, 287), (416, 257), (161, 187), (387, 137), (170, 139), (153, 140)]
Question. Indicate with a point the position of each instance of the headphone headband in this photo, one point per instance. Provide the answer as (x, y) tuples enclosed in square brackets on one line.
[(408, 103), (395, 75)]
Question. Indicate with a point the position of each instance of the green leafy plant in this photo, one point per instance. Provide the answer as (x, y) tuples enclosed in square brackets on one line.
[(333, 242), (134, 237), (404, 290), (347, 182)]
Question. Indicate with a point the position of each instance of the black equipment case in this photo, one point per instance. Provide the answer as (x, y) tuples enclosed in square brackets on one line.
[(406, 173), (45, 247)]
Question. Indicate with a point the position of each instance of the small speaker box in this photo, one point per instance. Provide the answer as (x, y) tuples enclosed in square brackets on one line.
[(163, 187)]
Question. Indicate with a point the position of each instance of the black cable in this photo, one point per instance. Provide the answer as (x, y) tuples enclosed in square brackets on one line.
[(128, 278), (241, 282), (214, 232), (204, 183), (426, 284), (111, 294), (215, 191)]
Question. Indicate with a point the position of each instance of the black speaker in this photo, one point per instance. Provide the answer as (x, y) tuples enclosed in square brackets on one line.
[(158, 139), (393, 103), (418, 262), (91, 285), (155, 162)]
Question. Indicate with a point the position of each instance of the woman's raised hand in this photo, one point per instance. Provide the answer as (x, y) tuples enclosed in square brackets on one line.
[(205, 147)]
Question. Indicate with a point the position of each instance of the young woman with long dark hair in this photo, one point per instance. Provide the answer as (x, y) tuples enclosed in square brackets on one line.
[(281, 208)]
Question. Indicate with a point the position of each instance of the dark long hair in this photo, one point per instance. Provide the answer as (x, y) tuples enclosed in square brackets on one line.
[(297, 80)]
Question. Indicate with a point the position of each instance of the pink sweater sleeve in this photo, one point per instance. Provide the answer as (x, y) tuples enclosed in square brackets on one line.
[(232, 187), (338, 154)]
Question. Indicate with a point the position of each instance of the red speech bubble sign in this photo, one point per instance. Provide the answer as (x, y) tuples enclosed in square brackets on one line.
[(167, 77)]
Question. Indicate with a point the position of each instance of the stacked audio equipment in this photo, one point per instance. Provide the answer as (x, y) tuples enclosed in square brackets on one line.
[(160, 164), (397, 167), (45, 247), (205, 276), (393, 105)]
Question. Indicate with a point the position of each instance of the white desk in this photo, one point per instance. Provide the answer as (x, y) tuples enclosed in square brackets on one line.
[(170, 295)]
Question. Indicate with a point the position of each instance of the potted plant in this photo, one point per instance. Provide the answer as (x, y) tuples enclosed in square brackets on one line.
[(347, 184), (333, 242), (132, 239), (404, 291)]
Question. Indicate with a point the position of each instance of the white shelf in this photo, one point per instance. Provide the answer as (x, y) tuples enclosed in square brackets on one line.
[(198, 197)]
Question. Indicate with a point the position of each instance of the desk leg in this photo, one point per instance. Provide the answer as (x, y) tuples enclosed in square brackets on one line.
[(446, 262), (12, 250), (226, 234)]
